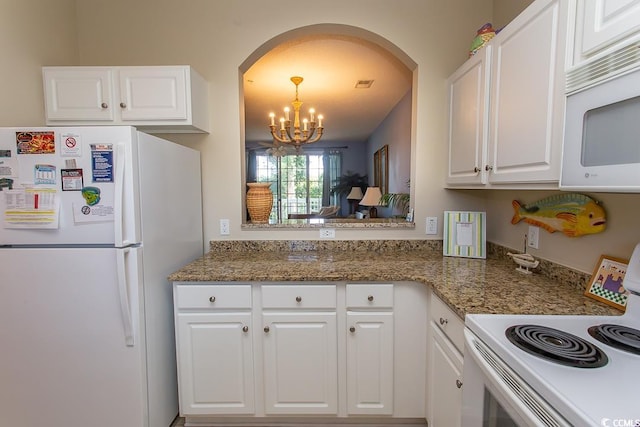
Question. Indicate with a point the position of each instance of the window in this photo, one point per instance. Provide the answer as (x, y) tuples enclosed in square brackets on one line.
[(301, 182)]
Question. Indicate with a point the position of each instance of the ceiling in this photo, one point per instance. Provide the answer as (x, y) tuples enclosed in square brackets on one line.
[(331, 65)]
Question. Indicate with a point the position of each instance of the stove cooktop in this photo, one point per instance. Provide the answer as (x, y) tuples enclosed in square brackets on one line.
[(582, 396), (617, 336), (556, 346)]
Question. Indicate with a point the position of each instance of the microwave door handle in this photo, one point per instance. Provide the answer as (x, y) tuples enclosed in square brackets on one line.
[(119, 196), (125, 300)]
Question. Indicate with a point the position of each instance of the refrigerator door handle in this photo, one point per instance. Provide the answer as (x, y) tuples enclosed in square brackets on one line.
[(119, 196), (125, 300)]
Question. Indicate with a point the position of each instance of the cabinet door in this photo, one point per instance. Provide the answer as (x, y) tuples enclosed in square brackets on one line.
[(79, 94), (468, 115), (300, 363), (370, 363), (445, 381), (527, 96), (215, 363), (153, 93), (603, 23)]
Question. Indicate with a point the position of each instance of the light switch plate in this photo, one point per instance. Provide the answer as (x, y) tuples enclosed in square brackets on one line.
[(225, 227), (532, 236)]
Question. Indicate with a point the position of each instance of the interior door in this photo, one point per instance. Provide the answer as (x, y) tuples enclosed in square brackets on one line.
[(65, 358)]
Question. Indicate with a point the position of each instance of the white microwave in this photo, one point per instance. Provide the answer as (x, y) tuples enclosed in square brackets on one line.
[(602, 124)]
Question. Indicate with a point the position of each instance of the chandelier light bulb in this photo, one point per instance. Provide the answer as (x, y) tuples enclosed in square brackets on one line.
[(272, 116)]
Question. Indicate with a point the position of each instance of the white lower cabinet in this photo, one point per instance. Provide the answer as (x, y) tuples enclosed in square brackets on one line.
[(316, 350), (300, 363), (370, 363), (214, 349), (445, 366), (445, 381), (220, 385)]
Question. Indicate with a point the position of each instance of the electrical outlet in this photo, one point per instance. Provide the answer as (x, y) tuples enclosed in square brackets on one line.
[(224, 227), (432, 225), (327, 233), (532, 236)]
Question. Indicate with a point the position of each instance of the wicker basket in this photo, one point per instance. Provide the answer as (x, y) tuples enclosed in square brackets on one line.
[(259, 201)]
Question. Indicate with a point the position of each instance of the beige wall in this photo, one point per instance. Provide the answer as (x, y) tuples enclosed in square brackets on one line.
[(33, 33), (217, 36), (505, 10)]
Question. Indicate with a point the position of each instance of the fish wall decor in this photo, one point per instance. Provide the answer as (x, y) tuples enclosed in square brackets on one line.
[(573, 214)]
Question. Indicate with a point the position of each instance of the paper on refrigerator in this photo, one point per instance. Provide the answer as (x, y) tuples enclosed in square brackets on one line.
[(31, 207)]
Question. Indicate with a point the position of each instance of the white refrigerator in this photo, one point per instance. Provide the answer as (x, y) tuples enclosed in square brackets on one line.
[(94, 219)]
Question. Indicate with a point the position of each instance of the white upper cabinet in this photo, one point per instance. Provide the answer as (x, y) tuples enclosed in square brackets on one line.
[(603, 23), (523, 105), (155, 99), (468, 106)]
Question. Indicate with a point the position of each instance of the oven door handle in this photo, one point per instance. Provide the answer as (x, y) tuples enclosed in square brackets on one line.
[(534, 410)]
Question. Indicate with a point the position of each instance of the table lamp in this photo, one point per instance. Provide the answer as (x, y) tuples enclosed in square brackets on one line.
[(354, 194), (372, 199)]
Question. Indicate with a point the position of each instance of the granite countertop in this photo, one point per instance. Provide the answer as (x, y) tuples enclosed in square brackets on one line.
[(466, 285)]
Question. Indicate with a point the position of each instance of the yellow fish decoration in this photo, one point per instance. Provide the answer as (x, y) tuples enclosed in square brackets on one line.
[(573, 214)]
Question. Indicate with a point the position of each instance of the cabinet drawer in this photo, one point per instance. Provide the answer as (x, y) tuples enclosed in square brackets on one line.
[(213, 296), (447, 321), (370, 296), (299, 296)]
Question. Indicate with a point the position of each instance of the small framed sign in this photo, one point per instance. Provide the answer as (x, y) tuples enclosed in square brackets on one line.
[(464, 234), (606, 282)]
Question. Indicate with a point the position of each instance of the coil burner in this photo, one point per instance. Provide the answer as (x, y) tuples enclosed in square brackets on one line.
[(556, 346), (617, 336)]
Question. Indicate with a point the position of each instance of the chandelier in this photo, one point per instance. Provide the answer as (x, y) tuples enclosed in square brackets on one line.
[(310, 131)]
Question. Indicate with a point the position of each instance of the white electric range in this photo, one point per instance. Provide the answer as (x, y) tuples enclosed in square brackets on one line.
[(586, 380)]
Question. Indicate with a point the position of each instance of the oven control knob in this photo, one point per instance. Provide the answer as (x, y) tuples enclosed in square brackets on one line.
[(458, 383)]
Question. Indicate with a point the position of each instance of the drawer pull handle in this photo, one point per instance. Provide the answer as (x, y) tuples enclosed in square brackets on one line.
[(298, 299), (458, 383), (370, 297), (443, 321), (352, 329), (104, 105), (123, 105), (212, 299), (266, 329), (245, 329)]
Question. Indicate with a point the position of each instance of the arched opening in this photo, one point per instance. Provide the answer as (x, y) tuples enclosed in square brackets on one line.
[(359, 122)]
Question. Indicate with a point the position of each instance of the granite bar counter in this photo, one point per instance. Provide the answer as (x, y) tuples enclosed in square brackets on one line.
[(466, 285)]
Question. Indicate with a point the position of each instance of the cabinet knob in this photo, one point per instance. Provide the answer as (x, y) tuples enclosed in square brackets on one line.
[(266, 329), (476, 169), (352, 329), (123, 105), (370, 297), (298, 299), (443, 321), (245, 329), (488, 168), (458, 383), (104, 105), (212, 299)]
